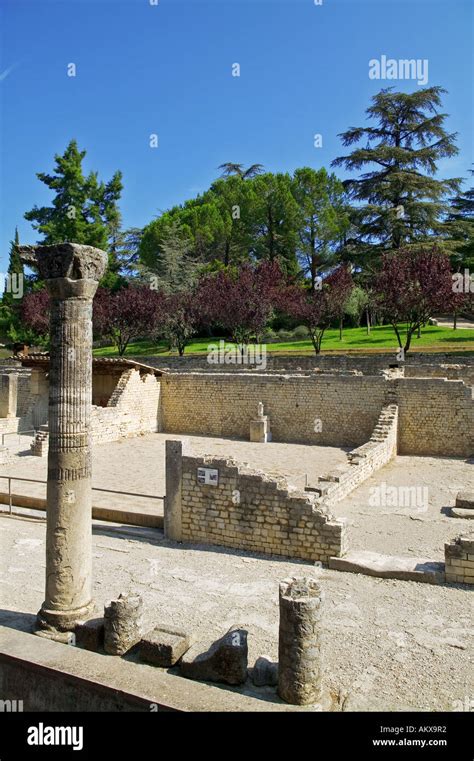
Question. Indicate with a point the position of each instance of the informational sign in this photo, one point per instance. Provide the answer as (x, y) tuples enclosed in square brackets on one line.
[(208, 476)]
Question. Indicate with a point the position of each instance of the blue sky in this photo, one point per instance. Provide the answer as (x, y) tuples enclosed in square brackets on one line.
[(167, 69)]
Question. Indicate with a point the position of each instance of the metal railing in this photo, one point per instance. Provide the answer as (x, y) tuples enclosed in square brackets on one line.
[(94, 488)]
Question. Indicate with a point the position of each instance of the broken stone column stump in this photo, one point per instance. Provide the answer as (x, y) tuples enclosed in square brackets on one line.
[(299, 667), (222, 661), (123, 624), (260, 427)]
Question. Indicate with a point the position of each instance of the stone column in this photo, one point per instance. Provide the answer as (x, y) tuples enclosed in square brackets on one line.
[(174, 474), (299, 667), (8, 394), (72, 273)]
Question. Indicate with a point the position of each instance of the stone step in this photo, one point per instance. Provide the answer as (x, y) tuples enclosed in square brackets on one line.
[(390, 566), (465, 500), (460, 512)]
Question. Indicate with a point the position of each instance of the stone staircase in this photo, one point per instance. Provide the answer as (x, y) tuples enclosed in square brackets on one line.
[(363, 461), (39, 446)]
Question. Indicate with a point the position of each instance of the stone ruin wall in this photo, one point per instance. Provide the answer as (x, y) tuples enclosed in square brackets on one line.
[(133, 408), (435, 416), (367, 364), (223, 405), (248, 510)]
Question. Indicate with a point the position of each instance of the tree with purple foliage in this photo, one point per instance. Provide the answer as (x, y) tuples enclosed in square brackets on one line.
[(319, 308), (411, 286), (240, 302), (180, 318), (35, 312), (127, 314)]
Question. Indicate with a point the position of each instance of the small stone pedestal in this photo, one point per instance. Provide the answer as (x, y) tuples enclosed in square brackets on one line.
[(260, 427), (299, 666), (123, 624)]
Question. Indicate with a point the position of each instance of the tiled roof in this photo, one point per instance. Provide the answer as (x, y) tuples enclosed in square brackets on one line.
[(41, 359)]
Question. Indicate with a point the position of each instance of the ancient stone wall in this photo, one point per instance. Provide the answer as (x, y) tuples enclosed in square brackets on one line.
[(459, 559), (456, 371), (133, 408), (368, 364), (436, 417), (248, 510), (325, 410), (363, 461)]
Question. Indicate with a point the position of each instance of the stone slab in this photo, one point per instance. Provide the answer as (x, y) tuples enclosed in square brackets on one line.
[(459, 512), (465, 500), (163, 647), (50, 676), (390, 566)]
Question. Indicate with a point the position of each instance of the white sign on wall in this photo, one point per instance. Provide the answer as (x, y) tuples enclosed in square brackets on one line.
[(208, 476)]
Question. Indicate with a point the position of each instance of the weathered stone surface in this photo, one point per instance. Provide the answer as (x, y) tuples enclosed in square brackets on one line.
[(72, 273), (390, 566), (465, 500), (459, 512), (299, 659), (459, 559), (163, 647), (265, 672), (222, 661), (123, 624), (90, 634)]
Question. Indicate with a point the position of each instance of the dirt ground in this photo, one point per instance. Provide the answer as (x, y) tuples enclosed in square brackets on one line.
[(388, 645)]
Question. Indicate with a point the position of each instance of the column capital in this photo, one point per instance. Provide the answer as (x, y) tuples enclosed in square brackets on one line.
[(71, 270)]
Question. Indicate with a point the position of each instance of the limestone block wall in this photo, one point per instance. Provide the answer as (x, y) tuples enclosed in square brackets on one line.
[(459, 559), (248, 510), (436, 417), (323, 409), (449, 371), (133, 408), (364, 460), (368, 364)]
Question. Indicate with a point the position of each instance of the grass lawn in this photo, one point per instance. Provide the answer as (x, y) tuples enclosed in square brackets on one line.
[(381, 338)]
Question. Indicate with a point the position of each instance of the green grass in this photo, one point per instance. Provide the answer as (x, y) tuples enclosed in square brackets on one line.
[(381, 338)]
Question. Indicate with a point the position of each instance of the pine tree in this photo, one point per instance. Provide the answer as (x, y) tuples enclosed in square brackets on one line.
[(15, 270), (399, 202), (460, 229), (15, 265), (83, 210)]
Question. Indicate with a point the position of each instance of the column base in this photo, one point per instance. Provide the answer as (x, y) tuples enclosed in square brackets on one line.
[(63, 620)]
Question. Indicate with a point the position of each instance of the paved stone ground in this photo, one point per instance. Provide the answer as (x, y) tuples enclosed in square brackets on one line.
[(138, 465), (388, 645)]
